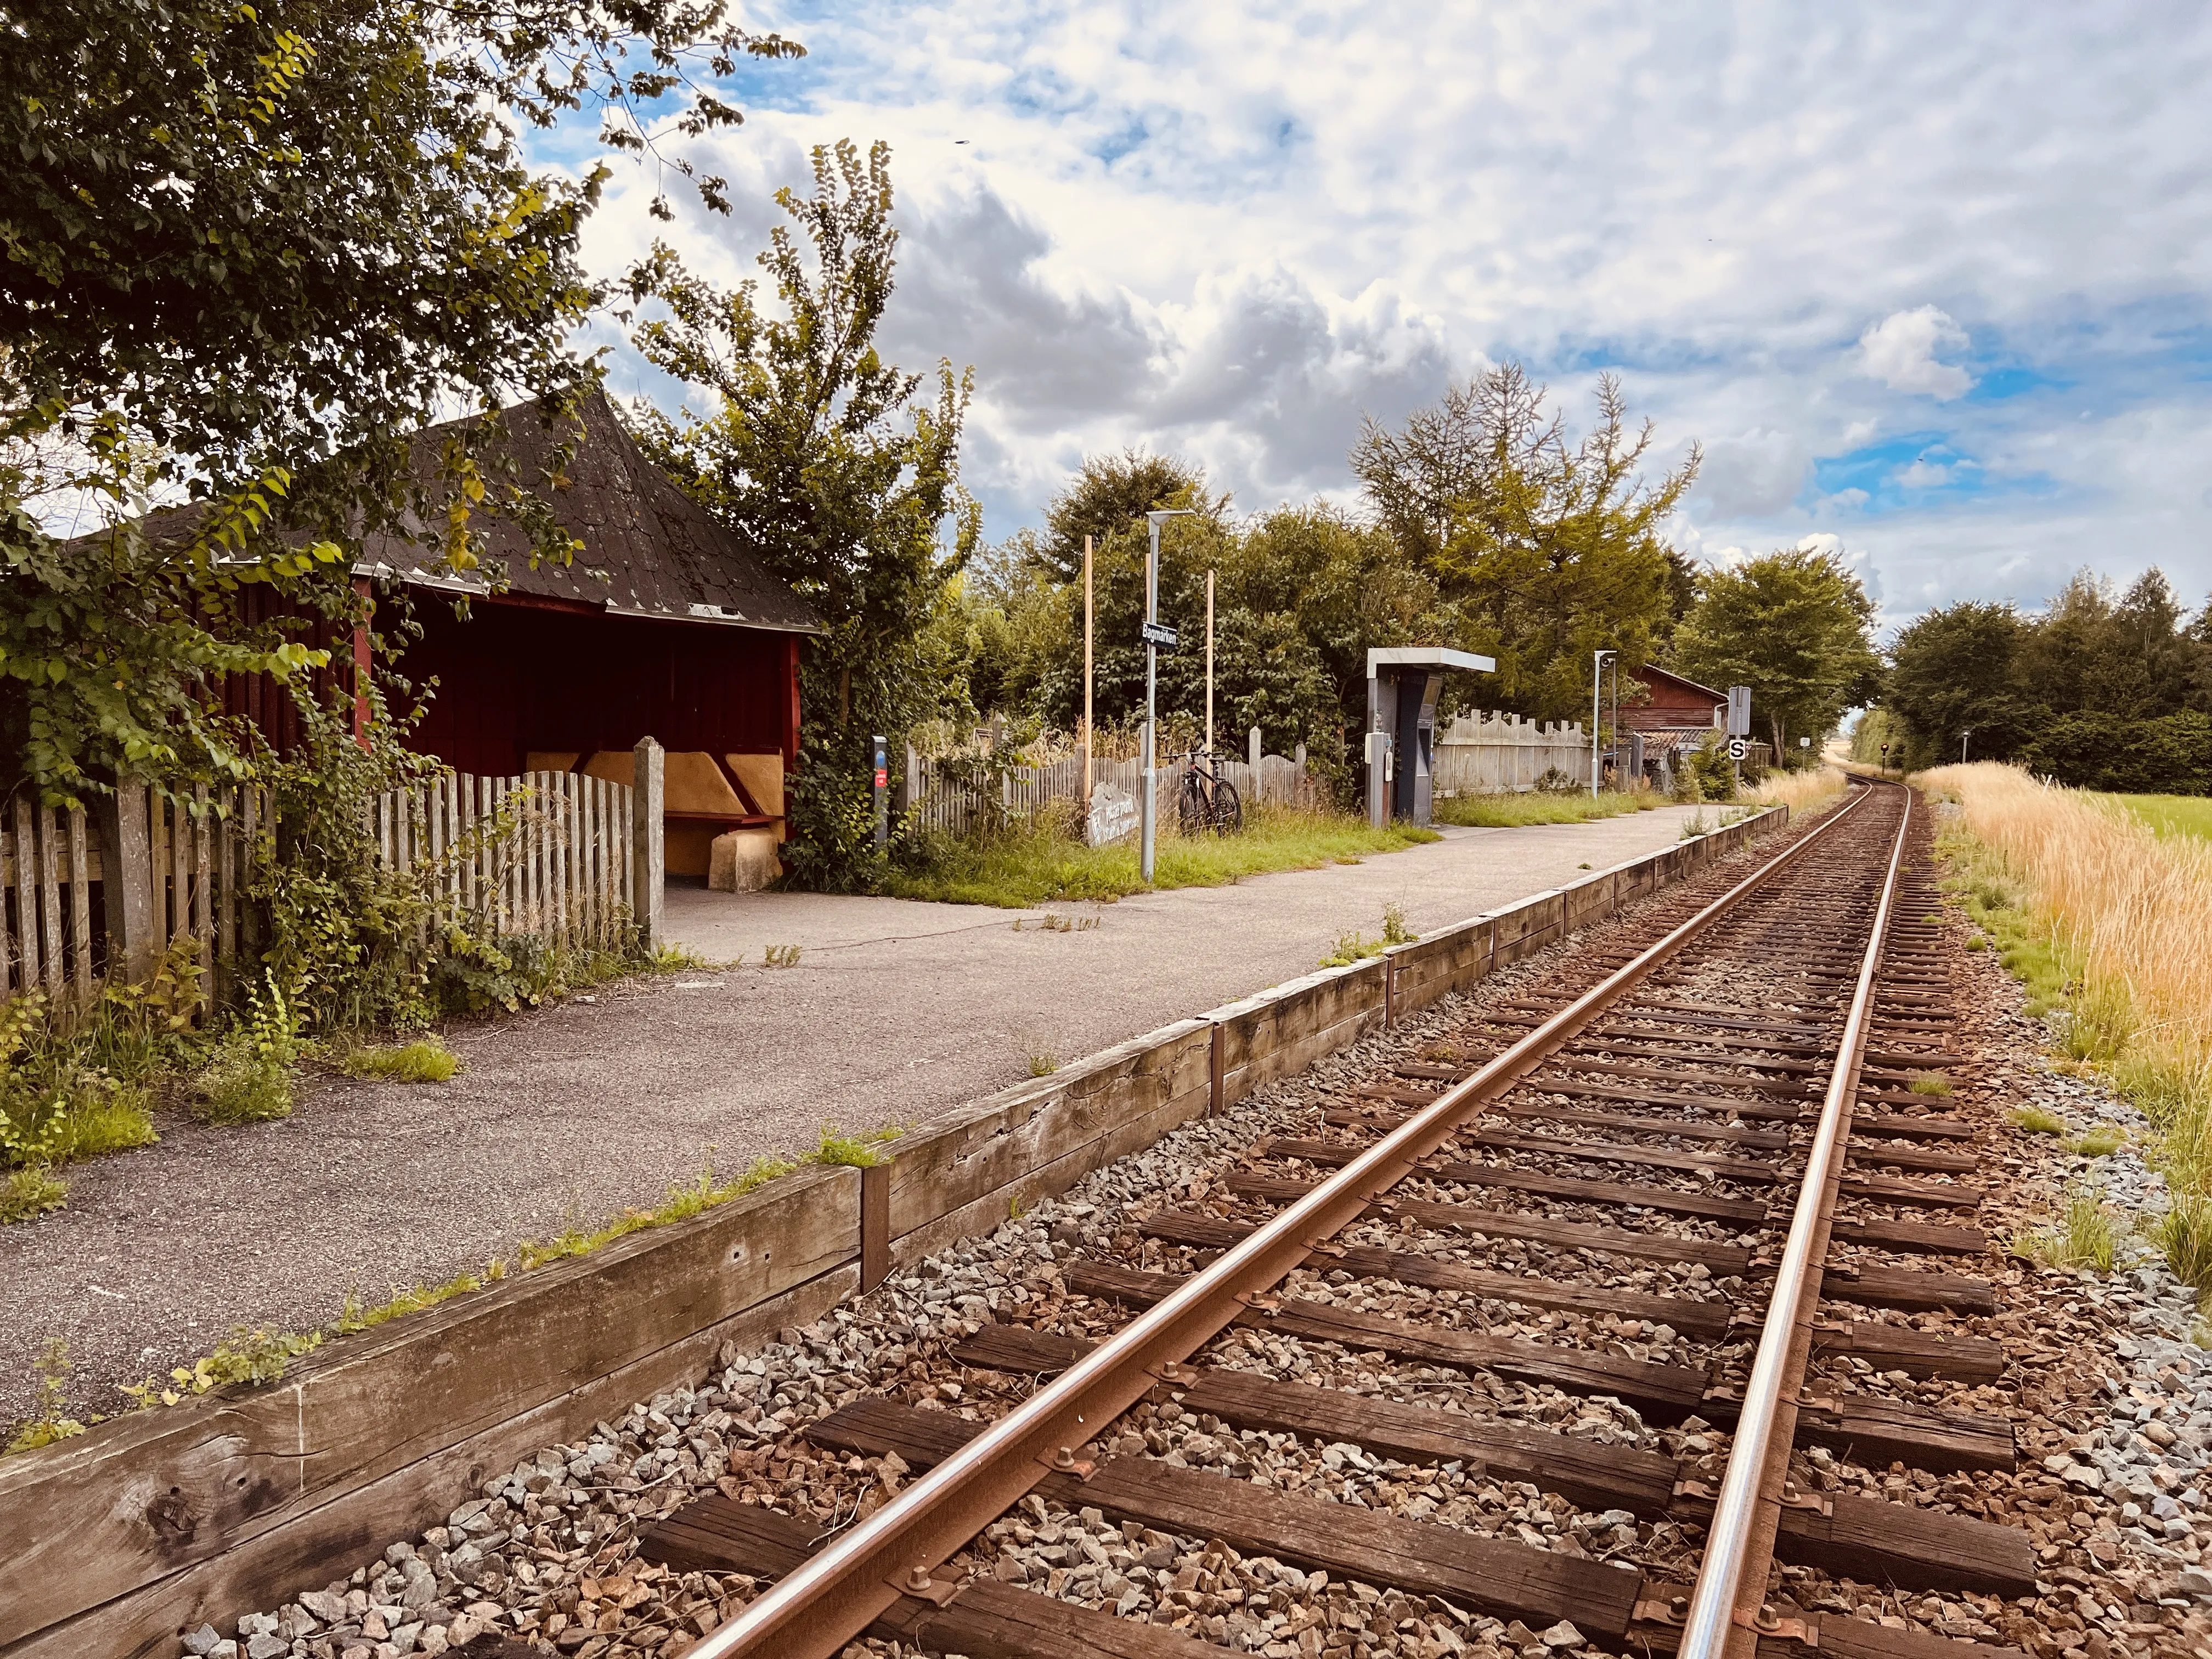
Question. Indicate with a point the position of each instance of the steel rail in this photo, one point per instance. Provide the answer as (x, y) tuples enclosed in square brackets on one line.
[(827, 1601), (1712, 1624)]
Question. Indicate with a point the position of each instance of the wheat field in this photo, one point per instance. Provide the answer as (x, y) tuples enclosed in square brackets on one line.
[(2129, 912)]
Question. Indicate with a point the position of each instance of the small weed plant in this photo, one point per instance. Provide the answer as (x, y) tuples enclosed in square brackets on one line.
[(29, 1191), (1694, 826), (2082, 1237), (2184, 1235), (781, 956), (426, 1060), (2036, 1120), (50, 1420), (1929, 1083), (1044, 1063), (2100, 1142), (254, 1356), (250, 1079), (1394, 931)]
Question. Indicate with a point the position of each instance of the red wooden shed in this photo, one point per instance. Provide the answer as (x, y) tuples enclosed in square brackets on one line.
[(666, 625), (1675, 704)]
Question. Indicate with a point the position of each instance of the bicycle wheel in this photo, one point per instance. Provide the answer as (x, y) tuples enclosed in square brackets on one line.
[(1228, 815), (1190, 805)]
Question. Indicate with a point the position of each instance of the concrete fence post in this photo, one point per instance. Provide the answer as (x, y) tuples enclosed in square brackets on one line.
[(126, 856), (1252, 750), (648, 859)]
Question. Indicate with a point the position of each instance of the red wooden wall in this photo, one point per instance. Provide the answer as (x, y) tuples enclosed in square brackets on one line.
[(518, 676)]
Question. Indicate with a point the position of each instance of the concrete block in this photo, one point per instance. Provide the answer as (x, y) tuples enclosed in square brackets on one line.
[(742, 861)]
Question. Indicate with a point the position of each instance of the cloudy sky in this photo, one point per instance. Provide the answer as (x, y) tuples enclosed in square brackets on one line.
[(1934, 280)]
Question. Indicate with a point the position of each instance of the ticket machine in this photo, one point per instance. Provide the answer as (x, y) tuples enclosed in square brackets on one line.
[(1403, 682)]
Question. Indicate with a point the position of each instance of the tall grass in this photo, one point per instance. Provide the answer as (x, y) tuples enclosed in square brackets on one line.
[(2111, 923), (1800, 792)]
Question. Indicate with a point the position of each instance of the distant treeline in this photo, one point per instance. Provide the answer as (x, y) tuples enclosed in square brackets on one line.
[(1485, 526), (2103, 690)]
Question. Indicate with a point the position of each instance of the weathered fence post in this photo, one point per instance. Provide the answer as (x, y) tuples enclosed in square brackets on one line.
[(126, 872), (648, 853), (1252, 754)]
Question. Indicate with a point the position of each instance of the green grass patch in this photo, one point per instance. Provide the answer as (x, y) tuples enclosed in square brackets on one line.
[(1026, 869), (1929, 1083), (2171, 815), (2184, 1235), (2082, 1237), (1542, 806), (104, 1117), (2100, 1142), (860, 1151), (241, 1085), (1044, 1063), (1996, 902), (2036, 1120), (426, 1060)]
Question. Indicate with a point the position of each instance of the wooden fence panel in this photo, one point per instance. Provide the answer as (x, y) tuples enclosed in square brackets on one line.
[(562, 872)]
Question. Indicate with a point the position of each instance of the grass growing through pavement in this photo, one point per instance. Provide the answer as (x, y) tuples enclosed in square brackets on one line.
[(1024, 868), (426, 1060), (1543, 806)]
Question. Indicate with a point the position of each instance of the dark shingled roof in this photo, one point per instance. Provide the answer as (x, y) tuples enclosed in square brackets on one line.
[(650, 550)]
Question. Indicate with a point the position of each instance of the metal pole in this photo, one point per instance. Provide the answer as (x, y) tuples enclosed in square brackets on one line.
[(1209, 662), (1615, 665), (1967, 732), (1707, 1626), (1150, 830), (1597, 708), (1089, 740)]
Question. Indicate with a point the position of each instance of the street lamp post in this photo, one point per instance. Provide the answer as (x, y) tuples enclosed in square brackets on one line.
[(1597, 705), (1149, 838), (1966, 733)]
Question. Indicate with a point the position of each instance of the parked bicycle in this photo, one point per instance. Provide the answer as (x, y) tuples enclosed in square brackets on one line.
[(1207, 803)]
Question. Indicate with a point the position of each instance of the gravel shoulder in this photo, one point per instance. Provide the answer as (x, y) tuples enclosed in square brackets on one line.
[(895, 1011)]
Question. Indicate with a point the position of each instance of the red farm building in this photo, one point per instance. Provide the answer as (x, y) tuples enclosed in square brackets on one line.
[(1673, 716), (666, 625)]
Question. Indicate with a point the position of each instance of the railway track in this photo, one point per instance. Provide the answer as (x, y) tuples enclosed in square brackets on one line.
[(1701, 1178)]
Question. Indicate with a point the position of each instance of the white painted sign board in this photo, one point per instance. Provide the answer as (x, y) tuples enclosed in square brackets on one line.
[(1113, 815)]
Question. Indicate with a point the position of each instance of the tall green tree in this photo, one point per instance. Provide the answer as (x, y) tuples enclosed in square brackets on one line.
[(1543, 548), (1960, 669), (1795, 626), (838, 467), (250, 252)]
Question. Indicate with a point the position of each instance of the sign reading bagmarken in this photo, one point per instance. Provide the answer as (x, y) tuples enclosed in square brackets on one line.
[(1161, 634), (1113, 815)]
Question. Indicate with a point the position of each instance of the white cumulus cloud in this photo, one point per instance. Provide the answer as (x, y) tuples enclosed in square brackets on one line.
[(1900, 350)]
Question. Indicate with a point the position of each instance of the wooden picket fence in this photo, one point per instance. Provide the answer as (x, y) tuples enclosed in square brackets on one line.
[(180, 878), (49, 865), (1481, 754), (967, 796), (90, 899), (548, 854)]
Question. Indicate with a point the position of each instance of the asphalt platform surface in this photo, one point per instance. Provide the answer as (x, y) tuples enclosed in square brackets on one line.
[(893, 1010)]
